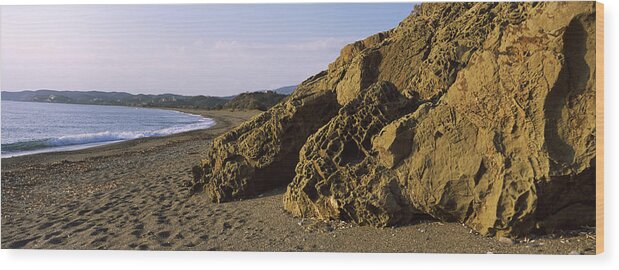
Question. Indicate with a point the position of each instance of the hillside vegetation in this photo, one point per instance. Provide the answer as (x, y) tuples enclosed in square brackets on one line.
[(261, 100)]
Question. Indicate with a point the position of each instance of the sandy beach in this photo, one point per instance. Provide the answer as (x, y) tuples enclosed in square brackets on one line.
[(134, 195)]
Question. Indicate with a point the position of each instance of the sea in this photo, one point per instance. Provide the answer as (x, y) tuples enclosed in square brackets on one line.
[(36, 127)]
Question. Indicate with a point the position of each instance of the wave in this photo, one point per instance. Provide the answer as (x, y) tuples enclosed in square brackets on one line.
[(101, 137), (24, 146)]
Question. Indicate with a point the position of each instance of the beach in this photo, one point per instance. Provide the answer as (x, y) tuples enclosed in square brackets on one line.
[(134, 195)]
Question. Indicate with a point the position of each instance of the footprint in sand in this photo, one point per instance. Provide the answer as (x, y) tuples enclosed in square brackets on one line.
[(56, 240), (22, 243), (99, 240), (137, 233), (99, 230), (74, 223), (82, 212), (204, 238), (163, 234), (45, 225)]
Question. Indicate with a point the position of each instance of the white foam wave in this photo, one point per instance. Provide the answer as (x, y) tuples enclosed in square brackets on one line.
[(108, 136)]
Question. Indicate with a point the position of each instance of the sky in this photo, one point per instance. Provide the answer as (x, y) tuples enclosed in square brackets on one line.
[(198, 49)]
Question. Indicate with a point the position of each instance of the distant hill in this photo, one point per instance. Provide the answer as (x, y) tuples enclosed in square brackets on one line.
[(286, 90), (252, 100), (115, 98)]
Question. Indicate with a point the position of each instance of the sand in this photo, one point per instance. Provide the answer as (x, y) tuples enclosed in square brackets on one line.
[(134, 195)]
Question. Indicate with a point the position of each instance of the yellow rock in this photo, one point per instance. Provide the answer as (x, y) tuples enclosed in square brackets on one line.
[(480, 113)]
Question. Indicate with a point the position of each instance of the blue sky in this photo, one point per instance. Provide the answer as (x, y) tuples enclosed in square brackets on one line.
[(203, 49)]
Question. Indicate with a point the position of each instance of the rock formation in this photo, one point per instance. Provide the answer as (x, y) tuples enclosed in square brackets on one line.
[(261, 154), (332, 179), (479, 113)]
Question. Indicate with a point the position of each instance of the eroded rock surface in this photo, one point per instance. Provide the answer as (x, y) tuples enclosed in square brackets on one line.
[(261, 154), (336, 178), (480, 113)]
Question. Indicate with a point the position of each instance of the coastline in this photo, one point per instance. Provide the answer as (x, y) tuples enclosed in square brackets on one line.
[(77, 147), (133, 195)]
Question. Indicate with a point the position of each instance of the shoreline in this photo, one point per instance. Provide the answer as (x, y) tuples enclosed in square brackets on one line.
[(78, 147), (134, 195)]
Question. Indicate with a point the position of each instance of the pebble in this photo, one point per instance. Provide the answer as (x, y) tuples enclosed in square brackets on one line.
[(506, 240), (575, 253)]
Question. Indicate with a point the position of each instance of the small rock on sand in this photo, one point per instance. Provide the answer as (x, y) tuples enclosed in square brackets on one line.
[(506, 240)]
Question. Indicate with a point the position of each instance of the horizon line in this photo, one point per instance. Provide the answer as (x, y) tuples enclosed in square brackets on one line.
[(164, 93)]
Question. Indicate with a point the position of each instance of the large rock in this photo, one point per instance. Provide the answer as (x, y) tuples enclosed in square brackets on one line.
[(480, 113), (510, 147), (506, 144), (261, 154), (336, 178)]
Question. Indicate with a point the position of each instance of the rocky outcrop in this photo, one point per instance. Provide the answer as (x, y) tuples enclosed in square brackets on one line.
[(489, 153), (479, 113), (332, 180), (261, 154)]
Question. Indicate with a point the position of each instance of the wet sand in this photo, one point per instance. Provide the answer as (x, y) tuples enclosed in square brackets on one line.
[(133, 195)]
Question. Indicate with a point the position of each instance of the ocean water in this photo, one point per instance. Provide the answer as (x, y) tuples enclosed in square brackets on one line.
[(31, 127)]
